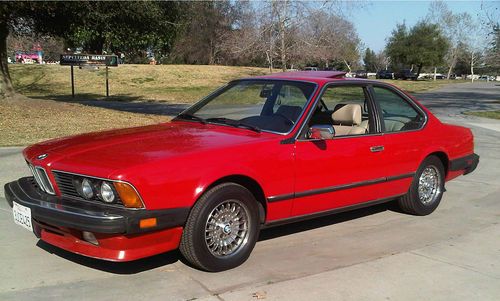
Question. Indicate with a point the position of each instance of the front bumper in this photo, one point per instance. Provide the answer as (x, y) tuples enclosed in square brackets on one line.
[(60, 222)]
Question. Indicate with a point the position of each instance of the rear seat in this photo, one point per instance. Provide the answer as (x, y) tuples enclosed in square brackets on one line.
[(347, 120)]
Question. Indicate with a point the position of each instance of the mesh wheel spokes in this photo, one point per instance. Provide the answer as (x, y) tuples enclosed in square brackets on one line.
[(429, 185), (226, 230)]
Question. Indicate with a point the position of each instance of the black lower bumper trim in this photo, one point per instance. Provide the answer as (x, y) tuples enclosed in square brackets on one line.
[(468, 163), (59, 212)]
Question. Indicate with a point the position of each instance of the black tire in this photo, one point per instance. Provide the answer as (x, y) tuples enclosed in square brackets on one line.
[(194, 246), (411, 202)]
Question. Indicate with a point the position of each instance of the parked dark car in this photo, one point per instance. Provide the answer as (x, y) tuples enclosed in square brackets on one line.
[(405, 74), (385, 74), (361, 74)]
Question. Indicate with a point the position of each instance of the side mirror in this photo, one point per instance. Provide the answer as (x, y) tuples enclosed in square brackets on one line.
[(321, 132)]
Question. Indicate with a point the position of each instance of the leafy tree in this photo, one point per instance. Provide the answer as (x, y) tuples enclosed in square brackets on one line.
[(422, 45), (370, 60), (427, 46), (95, 26), (397, 45), (207, 28)]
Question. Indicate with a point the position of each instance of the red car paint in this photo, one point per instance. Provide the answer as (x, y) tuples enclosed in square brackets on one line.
[(172, 164)]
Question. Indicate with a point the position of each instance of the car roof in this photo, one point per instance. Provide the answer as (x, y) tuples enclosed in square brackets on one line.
[(314, 76)]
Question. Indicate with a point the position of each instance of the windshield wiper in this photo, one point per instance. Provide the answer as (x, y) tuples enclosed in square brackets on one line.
[(235, 123), (249, 126), (191, 117)]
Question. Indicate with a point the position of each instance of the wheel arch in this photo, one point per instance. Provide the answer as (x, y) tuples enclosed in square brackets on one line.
[(444, 159), (249, 183)]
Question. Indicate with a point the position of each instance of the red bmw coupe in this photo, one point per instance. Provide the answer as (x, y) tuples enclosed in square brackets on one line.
[(256, 153)]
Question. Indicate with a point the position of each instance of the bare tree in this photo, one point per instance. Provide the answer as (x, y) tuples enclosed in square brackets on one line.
[(456, 27), (326, 37)]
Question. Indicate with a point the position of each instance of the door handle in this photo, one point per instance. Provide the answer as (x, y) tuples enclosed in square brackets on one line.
[(376, 149)]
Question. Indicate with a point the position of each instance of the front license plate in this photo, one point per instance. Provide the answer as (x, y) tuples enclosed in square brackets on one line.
[(22, 216)]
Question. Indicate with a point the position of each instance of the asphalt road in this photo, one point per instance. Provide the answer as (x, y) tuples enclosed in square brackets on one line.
[(376, 253)]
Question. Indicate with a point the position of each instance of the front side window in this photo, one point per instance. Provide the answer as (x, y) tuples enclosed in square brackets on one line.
[(269, 105), (346, 109), (398, 115)]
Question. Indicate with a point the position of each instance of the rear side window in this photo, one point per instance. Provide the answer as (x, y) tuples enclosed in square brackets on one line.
[(397, 114), (336, 96)]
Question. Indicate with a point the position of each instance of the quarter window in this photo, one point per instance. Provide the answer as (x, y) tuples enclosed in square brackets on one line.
[(397, 114)]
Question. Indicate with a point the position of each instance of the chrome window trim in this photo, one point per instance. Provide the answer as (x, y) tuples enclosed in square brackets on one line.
[(406, 98), (368, 84), (343, 82), (108, 180), (313, 93)]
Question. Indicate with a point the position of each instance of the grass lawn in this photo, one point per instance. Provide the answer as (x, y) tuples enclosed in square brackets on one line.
[(412, 86), (47, 111), (25, 121), (163, 83), (486, 114)]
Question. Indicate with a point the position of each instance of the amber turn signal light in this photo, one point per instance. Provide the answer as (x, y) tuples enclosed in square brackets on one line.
[(147, 223), (128, 195)]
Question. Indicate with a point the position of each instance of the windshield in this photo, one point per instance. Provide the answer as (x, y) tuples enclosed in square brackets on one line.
[(269, 105)]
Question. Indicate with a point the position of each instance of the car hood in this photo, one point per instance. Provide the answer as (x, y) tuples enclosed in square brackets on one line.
[(101, 153)]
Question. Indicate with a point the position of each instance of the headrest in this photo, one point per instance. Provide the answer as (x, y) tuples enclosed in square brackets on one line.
[(347, 114)]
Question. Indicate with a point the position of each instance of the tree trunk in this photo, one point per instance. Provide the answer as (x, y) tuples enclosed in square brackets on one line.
[(6, 87), (418, 70), (453, 63), (96, 45), (435, 70), (270, 61), (348, 66), (282, 26), (472, 67), (283, 47)]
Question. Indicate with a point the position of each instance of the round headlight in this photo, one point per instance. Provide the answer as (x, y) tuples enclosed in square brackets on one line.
[(86, 189), (107, 192)]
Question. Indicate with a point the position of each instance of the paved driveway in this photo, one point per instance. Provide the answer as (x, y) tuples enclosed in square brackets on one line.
[(370, 254)]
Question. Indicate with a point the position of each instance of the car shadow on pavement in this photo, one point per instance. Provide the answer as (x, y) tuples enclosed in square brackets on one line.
[(327, 220), (125, 268), (149, 263)]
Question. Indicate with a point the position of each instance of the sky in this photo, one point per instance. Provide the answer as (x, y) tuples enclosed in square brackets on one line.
[(376, 19)]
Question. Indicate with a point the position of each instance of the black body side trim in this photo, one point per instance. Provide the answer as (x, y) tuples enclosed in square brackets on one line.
[(468, 163), (82, 216), (328, 212), (336, 188)]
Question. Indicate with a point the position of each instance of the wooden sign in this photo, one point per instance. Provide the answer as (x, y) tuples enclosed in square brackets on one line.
[(88, 59)]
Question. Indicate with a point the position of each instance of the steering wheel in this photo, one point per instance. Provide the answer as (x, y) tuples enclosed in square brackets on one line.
[(285, 117)]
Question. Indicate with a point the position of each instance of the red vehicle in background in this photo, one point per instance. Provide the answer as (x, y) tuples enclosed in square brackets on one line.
[(256, 153)]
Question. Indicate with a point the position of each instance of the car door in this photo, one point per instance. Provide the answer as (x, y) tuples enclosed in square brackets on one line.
[(402, 122), (347, 169)]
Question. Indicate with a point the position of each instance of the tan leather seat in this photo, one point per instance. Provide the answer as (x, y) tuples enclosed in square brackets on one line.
[(347, 120)]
